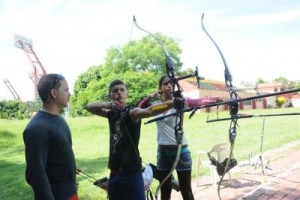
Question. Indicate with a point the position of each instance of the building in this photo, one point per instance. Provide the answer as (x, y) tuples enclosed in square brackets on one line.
[(213, 88)]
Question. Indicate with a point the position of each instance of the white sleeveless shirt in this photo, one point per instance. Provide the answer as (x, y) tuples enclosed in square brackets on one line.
[(166, 130)]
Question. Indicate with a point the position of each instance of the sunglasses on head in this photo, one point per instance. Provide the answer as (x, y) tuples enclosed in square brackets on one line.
[(58, 77)]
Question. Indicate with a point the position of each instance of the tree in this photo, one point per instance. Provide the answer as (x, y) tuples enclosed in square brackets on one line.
[(294, 85), (139, 84), (260, 80), (288, 85), (13, 109), (93, 74), (186, 72), (34, 106), (81, 94), (145, 55), (282, 80), (139, 64)]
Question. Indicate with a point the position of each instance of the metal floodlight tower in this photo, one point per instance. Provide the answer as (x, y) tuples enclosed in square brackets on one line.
[(26, 44), (12, 89)]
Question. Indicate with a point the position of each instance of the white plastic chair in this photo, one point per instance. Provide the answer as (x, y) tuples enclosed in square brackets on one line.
[(220, 152)]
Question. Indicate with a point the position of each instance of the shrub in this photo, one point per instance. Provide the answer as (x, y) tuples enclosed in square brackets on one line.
[(280, 101)]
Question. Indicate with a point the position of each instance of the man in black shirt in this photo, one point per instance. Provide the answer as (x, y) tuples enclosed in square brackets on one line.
[(126, 181), (51, 169)]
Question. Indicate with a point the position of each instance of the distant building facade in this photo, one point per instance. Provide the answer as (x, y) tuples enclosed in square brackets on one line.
[(213, 88)]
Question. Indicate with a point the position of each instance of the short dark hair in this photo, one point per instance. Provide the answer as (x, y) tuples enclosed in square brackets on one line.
[(114, 83), (47, 83)]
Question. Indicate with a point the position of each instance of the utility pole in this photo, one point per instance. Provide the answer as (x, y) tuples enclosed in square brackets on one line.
[(25, 44)]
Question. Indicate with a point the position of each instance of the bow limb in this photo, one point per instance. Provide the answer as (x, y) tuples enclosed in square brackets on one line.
[(233, 105), (169, 63), (179, 116)]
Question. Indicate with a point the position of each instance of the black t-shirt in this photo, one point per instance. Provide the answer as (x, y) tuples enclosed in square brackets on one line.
[(51, 169), (124, 156)]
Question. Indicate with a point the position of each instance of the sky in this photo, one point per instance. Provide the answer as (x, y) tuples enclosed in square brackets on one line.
[(259, 39)]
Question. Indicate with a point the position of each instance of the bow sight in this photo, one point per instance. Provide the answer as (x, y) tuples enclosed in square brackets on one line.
[(196, 75)]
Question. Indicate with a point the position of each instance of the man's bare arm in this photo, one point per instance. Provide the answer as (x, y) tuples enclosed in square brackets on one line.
[(99, 108), (139, 113)]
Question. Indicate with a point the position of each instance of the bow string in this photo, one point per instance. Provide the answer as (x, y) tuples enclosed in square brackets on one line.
[(170, 70)]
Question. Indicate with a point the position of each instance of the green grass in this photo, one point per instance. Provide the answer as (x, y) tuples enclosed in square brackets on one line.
[(90, 143)]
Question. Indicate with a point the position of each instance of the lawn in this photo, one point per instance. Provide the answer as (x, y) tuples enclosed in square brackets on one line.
[(90, 143)]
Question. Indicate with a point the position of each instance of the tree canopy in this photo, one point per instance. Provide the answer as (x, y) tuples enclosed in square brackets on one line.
[(139, 63)]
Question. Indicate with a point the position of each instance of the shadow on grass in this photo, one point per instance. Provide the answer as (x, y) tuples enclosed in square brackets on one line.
[(4, 134), (12, 181), (14, 186), (93, 167), (10, 150), (7, 139)]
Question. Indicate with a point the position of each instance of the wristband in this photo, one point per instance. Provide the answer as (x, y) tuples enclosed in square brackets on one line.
[(159, 107)]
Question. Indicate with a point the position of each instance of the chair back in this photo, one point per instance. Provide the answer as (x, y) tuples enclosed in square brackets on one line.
[(220, 151)]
